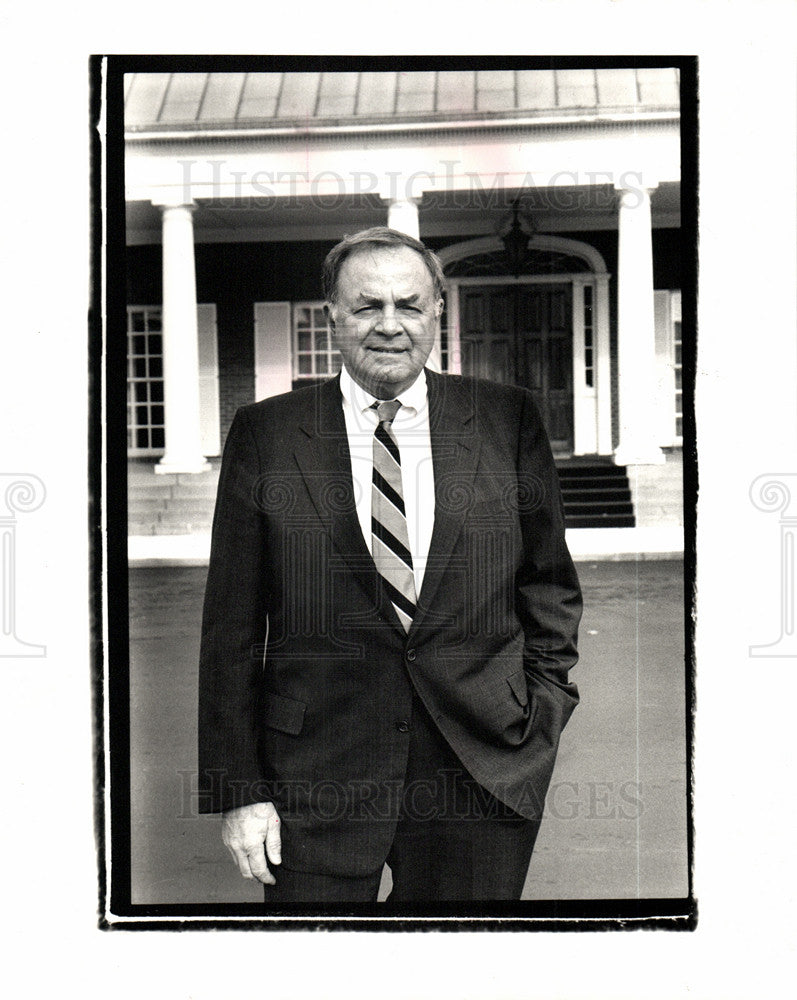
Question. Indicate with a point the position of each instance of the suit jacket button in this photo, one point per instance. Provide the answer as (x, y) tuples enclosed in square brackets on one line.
[(403, 726), (411, 655)]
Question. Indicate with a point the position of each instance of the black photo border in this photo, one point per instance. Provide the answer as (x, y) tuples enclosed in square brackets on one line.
[(108, 522)]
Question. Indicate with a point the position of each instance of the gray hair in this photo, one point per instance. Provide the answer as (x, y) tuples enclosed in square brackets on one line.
[(377, 236)]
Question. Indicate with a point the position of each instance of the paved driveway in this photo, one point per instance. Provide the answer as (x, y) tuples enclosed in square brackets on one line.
[(616, 821)]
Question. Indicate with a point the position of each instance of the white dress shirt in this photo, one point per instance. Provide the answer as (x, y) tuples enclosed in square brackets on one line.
[(411, 430)]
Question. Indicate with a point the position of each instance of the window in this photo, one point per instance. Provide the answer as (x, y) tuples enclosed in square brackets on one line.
[(678, 373), (589, 338), (677, 365), (145, 419), (314, 357)]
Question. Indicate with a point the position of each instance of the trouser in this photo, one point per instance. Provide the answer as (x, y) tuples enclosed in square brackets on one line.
[(454, 841)]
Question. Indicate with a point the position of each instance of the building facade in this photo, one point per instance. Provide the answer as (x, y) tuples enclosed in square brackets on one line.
[(552, 197)]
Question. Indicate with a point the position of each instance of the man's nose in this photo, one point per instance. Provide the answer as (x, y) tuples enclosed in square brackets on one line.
[(387, 322)]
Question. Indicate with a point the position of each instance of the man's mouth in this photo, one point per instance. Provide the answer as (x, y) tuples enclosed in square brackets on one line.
[(388, 350)]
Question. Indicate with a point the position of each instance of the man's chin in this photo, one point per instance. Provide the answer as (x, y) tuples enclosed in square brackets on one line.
[(388, 377)]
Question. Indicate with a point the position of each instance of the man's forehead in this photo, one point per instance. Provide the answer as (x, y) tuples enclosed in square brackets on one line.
[(372, 265)]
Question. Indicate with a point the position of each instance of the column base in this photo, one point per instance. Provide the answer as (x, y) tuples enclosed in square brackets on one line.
[(189, 466), (639, 456)]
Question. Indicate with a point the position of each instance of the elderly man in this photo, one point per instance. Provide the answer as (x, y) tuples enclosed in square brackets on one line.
[(390, 616)]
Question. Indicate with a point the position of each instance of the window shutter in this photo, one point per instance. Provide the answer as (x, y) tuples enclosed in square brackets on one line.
[(273, 368), (208, 379)]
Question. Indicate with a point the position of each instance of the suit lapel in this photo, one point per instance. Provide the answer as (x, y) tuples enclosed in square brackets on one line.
[(322, 454), (455, 457)]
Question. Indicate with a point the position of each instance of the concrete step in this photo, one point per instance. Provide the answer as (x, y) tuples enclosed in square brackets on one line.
[(137, 526), (596, 509), (180, 504), (588, 474), (149, 489), (658, 493), (669, 492), (144, 475), (203, 488), (145, 506), (601, 521), (595, 494), (593, 483), (189, 507), (180, 528), (616, 494)]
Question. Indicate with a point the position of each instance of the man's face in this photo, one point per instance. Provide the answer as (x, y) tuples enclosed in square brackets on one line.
[(385, 318)]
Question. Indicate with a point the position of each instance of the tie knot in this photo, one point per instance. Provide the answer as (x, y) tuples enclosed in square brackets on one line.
[(386, 410)]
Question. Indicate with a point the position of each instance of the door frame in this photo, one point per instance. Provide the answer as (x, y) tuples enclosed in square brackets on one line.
[(561, 447), (592, 413)]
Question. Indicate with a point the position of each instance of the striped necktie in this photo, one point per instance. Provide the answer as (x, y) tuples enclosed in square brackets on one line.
[(390, 540)]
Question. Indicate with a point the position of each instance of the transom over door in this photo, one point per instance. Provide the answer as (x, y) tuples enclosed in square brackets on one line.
[(523, 335)]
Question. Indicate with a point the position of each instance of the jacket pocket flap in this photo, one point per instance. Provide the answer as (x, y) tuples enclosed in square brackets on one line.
[(517, 682), (285, 714)]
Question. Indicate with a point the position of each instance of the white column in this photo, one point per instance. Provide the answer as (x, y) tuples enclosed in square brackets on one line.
[(636, 341), (403, 216), (603, 380), (180, 348), (584, 436)]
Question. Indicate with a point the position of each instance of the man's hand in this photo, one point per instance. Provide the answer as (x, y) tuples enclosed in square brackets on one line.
[(245, 831)]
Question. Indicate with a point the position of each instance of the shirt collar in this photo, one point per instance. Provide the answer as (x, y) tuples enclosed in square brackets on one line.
[(360, 400)]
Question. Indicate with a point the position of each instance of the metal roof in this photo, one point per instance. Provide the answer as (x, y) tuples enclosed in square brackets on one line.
[(177, 101)]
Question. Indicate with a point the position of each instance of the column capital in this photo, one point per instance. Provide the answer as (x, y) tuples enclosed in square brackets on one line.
[(633, 184), (393, 200), (402, 215), (173, 200)]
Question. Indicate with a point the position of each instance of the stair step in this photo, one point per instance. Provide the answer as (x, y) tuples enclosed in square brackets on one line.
[(177, 512), (180, 528), (594, 496), (149, 490), (606, 521), (190, 506), (616, 494), (591, 482), (207, 488), (587, 469), (145, 506), (140, 526), (597, 509), (144, 475)]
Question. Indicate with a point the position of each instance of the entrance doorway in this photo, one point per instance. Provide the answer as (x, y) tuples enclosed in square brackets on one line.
[(522, 334)]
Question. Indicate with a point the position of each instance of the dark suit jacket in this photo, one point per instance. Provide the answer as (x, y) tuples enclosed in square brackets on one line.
[(306, 674)]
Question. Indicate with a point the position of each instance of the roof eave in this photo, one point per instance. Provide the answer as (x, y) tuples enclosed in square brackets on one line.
[(297, 129)]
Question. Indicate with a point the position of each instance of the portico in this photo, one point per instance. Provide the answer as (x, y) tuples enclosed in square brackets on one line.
[(596, 192)]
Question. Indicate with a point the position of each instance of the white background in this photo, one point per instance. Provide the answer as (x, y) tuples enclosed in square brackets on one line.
[(747, 426)]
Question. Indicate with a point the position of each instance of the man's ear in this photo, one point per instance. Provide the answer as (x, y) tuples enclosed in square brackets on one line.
[(329, 317), (439, 307)]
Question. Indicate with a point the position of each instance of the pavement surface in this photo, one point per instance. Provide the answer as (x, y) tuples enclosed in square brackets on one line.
[(615, 825)]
